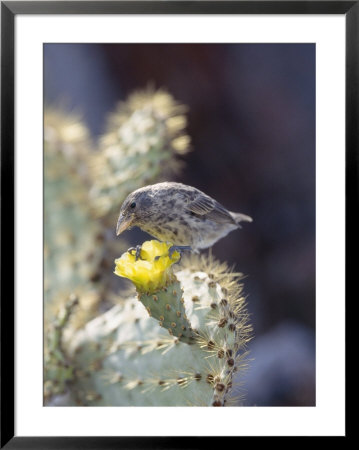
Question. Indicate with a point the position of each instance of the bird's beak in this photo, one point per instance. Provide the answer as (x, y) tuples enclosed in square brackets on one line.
[(123, 223)]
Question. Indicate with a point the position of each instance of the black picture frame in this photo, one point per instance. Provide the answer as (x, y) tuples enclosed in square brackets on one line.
[(9, 10)]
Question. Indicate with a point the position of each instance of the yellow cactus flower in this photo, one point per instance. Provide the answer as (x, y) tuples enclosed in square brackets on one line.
[(152, 271)]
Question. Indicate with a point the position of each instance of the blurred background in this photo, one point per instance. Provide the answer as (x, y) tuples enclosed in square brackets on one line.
[(251, 120)]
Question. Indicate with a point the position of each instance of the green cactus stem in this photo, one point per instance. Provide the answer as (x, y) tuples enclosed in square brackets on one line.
[(167, 306)]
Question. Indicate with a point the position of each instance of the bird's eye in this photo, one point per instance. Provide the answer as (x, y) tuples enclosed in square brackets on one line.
[(133, 205)]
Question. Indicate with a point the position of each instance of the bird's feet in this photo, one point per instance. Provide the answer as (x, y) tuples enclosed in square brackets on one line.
[(137, 251), (179, 249)]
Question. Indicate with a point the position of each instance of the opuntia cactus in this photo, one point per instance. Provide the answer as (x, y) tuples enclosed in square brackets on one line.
[(143, 139), (70, 236), (181, 338), (178, 344), (57, 370), (147, 132)]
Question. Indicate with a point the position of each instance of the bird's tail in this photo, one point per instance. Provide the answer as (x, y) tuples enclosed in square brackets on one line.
[(238, 217)]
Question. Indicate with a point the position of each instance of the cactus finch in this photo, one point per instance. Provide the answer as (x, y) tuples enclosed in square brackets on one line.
[(180, 214)]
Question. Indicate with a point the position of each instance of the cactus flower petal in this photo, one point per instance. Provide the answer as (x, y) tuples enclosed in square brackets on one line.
[(152, 271)]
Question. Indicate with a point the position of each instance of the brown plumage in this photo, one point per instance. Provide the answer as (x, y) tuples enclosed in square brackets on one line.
[(180, 214)]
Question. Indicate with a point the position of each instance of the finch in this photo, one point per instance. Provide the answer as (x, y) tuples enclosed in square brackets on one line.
[(180, 214)]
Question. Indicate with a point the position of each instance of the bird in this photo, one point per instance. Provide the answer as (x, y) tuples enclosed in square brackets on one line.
[(177, 213)]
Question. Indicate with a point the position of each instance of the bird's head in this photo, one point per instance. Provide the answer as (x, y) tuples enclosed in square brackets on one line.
[(134, 210)]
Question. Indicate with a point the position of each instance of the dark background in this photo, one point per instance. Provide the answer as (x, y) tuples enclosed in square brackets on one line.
[(252, 123)]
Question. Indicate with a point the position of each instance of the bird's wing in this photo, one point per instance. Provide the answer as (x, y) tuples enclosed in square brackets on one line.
[(207, 207)]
